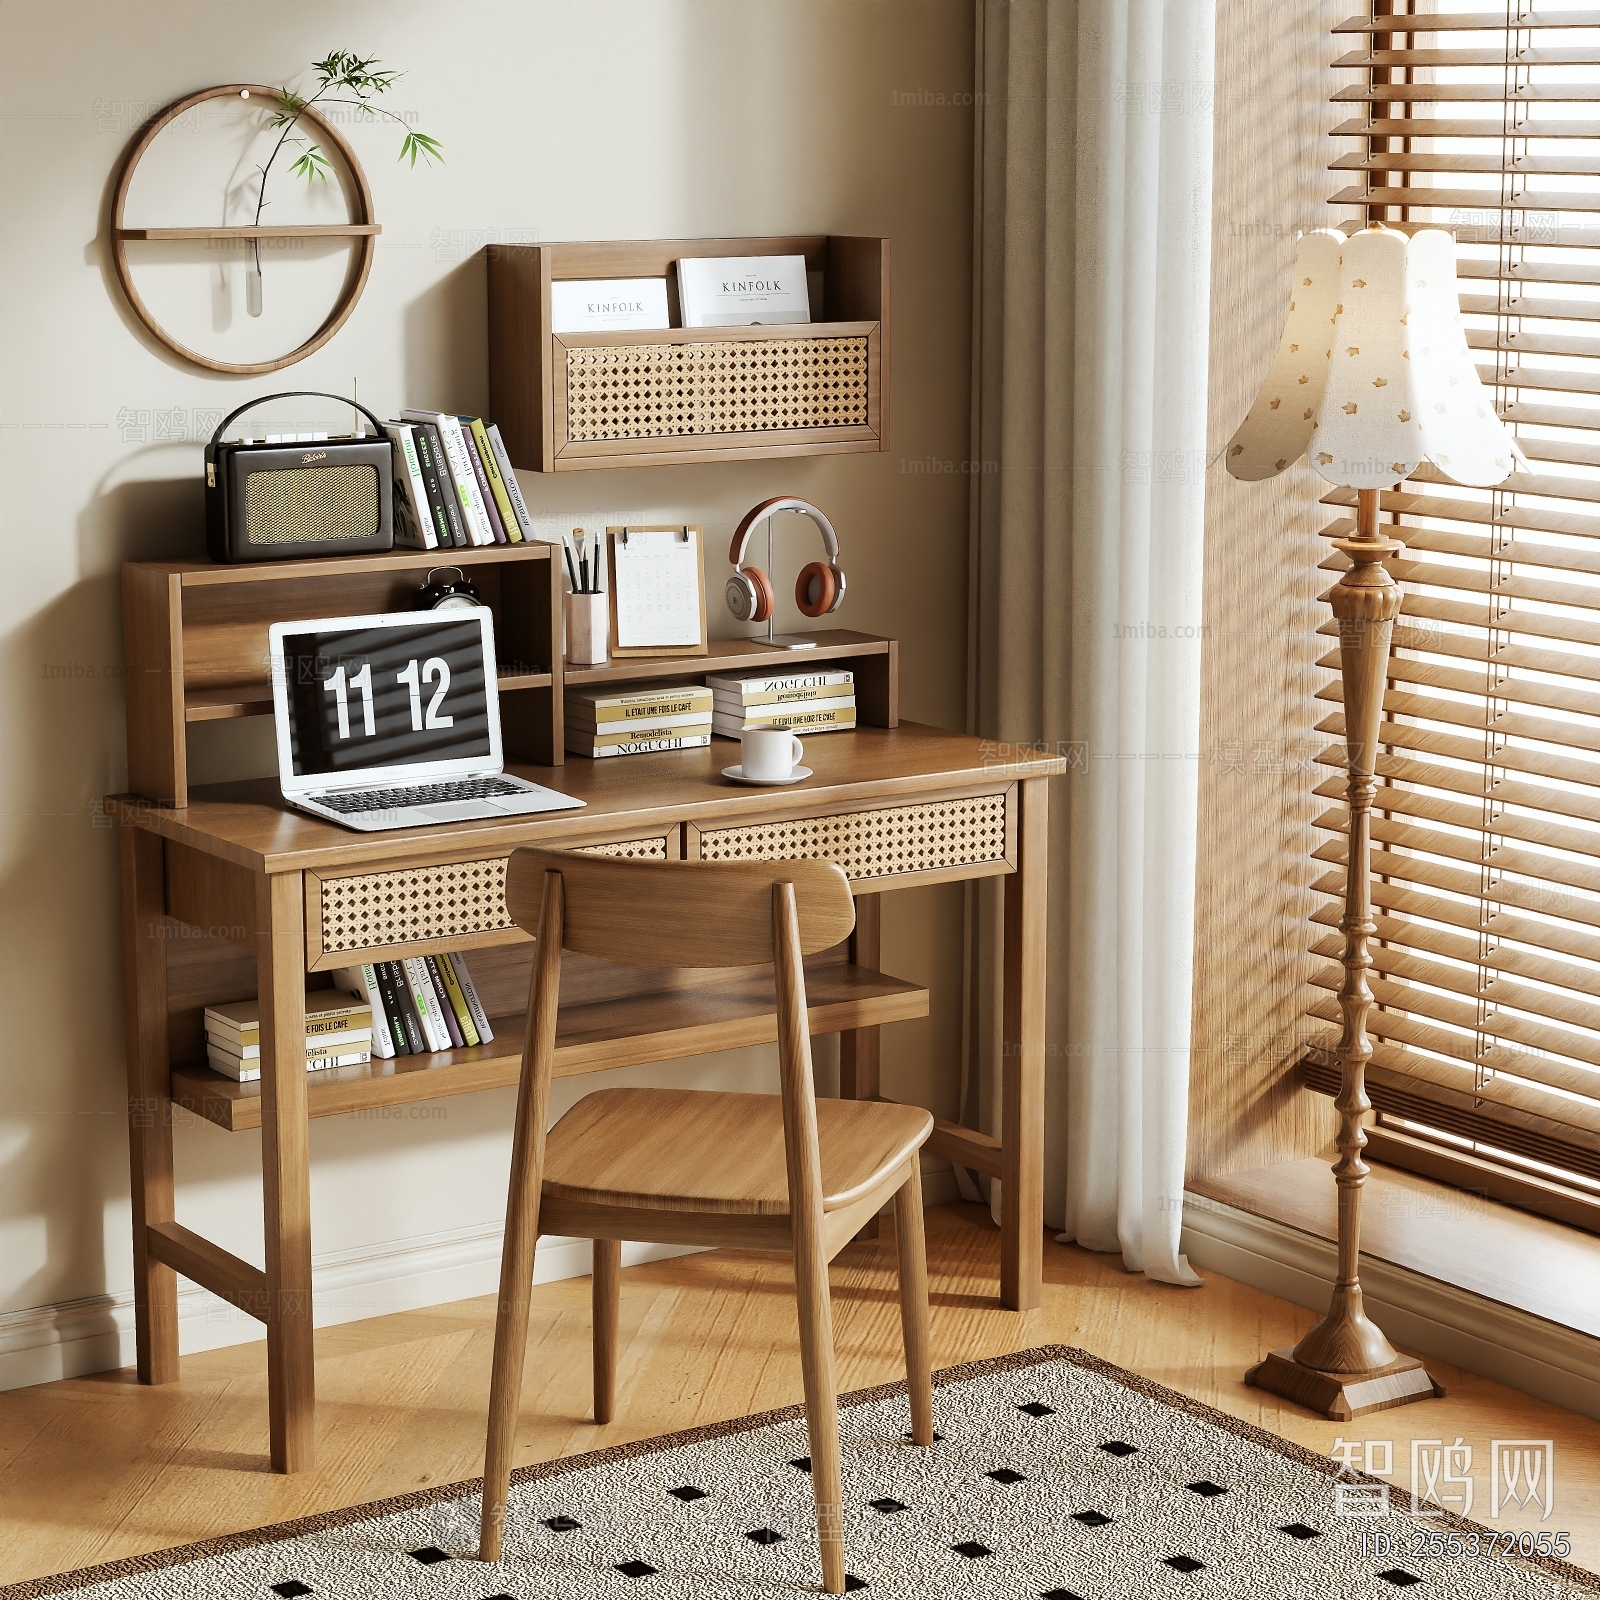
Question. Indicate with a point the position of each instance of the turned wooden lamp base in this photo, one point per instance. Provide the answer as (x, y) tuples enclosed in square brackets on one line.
[(1343, 1395)]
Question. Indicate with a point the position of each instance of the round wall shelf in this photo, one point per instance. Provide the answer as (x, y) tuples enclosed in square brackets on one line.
[(361, 228)]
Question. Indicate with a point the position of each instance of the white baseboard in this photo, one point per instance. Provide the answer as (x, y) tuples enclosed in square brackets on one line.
[(1422, 1314), (95, 1334)]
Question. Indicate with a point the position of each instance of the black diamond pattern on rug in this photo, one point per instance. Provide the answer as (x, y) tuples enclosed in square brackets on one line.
[(1060, 1594), (887, 1505), (1091, 1519), (1298, 1530), (803, 1462), (291, 1588), (1037, 1408), (852, 1583), (687, 1492), (636, 1569), (1399, 1577), (428, 1554), (764, 1536), (938, 1438), (1006, 1475), (971, 1549), (1184, 1564), (1119, 1447), (1206, 1487), (562, 1524)]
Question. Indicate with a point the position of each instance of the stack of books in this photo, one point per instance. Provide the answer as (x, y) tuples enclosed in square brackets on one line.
[(822, 700), (453, 484), (420, 1005), (339, 1033), (630, 719)]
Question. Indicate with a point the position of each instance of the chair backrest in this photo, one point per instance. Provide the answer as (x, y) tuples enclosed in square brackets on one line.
[(679, 913), (682, 914)]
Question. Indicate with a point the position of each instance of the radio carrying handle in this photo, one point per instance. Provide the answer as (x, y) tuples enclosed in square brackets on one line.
[(296, 394)]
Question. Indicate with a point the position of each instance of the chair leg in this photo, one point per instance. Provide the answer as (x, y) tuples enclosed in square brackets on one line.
[(911, 1249), (607, 1293), (822, 1407)]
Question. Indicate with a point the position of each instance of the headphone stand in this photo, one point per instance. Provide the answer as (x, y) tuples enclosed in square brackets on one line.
[(781, 641)]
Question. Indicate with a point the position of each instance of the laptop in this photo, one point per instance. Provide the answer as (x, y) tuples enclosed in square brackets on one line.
[(393, 721)]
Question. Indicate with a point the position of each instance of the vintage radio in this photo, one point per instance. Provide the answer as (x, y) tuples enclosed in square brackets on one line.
[(268, 502)]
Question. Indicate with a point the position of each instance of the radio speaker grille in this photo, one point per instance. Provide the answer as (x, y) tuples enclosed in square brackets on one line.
[(310, 505)]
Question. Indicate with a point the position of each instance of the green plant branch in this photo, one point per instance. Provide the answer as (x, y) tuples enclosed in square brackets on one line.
[(340, 69)]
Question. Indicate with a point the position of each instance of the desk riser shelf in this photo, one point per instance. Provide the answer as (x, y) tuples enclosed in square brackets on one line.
[(195, 647), (195, 642)]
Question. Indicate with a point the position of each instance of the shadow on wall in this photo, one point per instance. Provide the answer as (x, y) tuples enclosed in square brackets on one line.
[(65, 749)]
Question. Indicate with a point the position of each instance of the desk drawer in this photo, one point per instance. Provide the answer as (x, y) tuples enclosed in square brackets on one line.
[(454, 905), (955, 836)]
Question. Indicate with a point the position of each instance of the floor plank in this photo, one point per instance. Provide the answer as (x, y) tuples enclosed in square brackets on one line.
[(98, 1468)]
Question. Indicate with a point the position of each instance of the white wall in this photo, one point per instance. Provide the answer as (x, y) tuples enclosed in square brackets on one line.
[(643, 118)]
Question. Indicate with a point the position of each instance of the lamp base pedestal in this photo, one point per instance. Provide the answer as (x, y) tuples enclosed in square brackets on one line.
[(1343, 1395)]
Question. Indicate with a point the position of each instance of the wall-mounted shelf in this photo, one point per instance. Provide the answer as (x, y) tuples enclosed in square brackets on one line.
[(572, 401)]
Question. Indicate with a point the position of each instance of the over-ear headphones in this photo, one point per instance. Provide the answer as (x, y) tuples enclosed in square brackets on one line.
[(820, 586)]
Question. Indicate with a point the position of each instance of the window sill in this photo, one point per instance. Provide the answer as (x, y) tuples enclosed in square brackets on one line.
[(1543, 1268)]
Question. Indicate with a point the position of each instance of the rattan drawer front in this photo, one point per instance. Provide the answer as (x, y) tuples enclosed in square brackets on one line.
[(456, 900), (629, 849), (660, 391), (892, 842)]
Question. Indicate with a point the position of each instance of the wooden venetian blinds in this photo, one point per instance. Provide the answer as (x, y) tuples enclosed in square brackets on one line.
[(1487, 837)]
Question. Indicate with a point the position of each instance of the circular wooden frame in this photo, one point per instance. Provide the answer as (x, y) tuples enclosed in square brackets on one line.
[(362, 228)]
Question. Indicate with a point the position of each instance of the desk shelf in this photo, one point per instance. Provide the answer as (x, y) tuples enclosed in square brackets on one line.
[(733, 1011), (195, 641)]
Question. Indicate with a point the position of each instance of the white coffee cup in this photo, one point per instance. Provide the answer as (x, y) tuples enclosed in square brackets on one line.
[(769, 754)]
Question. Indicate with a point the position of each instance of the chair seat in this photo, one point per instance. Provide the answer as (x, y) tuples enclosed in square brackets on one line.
[(697, 1150)]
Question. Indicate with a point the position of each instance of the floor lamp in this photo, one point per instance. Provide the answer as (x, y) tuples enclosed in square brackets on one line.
[(1372, 376)]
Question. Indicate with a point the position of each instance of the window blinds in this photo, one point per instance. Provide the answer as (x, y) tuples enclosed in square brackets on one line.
[(1486, 852)]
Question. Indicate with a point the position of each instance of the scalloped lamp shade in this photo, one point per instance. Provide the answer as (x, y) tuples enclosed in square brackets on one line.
[(1373, 375)]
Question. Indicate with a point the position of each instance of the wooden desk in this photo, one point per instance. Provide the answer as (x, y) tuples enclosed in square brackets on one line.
[(234, 890)]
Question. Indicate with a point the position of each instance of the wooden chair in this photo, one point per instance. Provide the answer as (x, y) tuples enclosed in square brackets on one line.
[(778, 1172)]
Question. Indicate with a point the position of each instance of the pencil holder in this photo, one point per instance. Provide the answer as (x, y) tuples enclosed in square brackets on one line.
[(588, 629)]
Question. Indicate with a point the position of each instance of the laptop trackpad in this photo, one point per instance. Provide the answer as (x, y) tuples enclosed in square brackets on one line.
[(456, 811)]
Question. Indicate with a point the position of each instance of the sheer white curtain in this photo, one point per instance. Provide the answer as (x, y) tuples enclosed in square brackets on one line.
[(1093, 190)]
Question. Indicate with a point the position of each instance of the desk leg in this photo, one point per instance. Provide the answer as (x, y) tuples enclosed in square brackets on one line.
[(1022, 1072), (285, 1164), (858, 1047), (144, 983)]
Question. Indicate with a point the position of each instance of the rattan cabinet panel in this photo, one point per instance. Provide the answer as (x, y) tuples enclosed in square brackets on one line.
[(657, 391)]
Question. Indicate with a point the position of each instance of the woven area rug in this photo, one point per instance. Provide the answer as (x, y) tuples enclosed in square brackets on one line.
[(1054, 1475)]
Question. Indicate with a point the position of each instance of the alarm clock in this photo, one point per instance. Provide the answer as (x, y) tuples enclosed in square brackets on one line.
[(447, 594)]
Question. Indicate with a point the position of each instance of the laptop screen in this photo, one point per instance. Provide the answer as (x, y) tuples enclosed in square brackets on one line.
[(361, 697)]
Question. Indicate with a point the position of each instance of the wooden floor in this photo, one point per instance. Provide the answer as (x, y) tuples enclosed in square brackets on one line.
[(96, 1468)]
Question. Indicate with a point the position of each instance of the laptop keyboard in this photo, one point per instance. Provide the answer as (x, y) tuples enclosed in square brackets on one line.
[(426, 795)]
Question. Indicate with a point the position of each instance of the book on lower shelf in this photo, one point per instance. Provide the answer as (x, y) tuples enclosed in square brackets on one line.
[(419, 1005), (338, 1034), (602, 720), (380, 1008), (822, 700)]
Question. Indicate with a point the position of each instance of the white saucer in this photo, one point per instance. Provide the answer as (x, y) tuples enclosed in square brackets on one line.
[(737, 774)]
